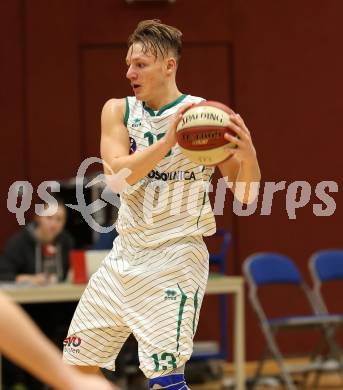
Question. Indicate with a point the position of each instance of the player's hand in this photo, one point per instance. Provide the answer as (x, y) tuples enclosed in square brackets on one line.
[(245, 150), (170, 136), (90, 382)]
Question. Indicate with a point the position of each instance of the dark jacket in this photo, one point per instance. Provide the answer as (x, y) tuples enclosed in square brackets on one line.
[(22, 254)]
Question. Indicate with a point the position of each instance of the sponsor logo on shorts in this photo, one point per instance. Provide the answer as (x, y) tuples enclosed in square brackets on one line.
[(72, 344), (170, 294)]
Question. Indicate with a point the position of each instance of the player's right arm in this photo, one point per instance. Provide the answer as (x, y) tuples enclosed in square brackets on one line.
[(115, 144)]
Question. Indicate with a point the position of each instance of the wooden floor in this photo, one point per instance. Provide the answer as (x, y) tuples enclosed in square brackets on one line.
[(332, 382), (328, 381)]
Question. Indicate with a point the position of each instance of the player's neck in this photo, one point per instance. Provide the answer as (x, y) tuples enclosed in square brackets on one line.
[(157, 102)]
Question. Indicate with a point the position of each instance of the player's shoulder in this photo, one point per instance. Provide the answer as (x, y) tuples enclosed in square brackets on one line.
[(114, 105), (193, 99), (119, 110), (113, 110)]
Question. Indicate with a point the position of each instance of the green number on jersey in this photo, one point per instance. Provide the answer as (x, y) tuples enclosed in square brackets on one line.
[(150, 137)]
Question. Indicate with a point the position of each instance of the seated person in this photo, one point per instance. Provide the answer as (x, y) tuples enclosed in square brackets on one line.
[(39, 253)]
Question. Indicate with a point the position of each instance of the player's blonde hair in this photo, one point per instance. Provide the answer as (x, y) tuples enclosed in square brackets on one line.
[(157, 38)]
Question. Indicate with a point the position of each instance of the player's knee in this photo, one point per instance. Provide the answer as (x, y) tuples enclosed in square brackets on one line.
[(170, 382)]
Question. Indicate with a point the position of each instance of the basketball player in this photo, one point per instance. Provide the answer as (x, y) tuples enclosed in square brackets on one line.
[(22, 342), (153, 281)]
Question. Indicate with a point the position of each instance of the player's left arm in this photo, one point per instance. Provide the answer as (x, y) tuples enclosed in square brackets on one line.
[(242, 168)]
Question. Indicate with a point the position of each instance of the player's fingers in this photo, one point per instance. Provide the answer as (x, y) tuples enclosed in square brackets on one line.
[(177, 118), (238, 120), (179, 113), (185, 107), (237, 129), (232, 138)]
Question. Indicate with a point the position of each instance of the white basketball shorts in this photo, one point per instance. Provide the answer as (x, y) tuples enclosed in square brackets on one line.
[(154, 293)]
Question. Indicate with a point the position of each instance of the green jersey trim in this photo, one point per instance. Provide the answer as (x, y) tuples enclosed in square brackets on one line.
[(164, 108), (127, 111)]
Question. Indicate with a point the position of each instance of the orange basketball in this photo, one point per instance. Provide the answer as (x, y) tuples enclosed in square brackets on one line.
[(200, 133)]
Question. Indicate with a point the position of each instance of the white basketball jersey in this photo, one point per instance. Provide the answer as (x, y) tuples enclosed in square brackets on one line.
[(172, 200)]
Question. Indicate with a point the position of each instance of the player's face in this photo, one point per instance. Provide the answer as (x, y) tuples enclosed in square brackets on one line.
[(147, 74)]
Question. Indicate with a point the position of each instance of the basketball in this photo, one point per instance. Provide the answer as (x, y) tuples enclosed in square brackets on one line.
[(200, 133)]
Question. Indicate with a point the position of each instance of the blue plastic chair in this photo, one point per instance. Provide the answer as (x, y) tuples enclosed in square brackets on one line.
[(268, 269), (325, 266), (219, 258)]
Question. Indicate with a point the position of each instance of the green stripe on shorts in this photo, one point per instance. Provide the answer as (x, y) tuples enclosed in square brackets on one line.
[(181, 308), (196, 304)]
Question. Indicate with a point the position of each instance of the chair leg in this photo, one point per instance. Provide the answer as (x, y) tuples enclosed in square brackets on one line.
[(259, 368), (279, 359), (315, 383), (335, 350), (313, 356)]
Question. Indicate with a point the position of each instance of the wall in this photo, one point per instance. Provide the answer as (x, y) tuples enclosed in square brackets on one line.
[(288, 85)]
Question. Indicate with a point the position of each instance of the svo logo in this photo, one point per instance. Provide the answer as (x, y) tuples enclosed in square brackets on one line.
[(72, 341)]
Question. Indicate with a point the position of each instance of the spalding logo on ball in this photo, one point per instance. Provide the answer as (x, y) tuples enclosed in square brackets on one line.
[(200, 133)]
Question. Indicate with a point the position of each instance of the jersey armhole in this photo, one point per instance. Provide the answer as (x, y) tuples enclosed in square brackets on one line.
[(127, 111)]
